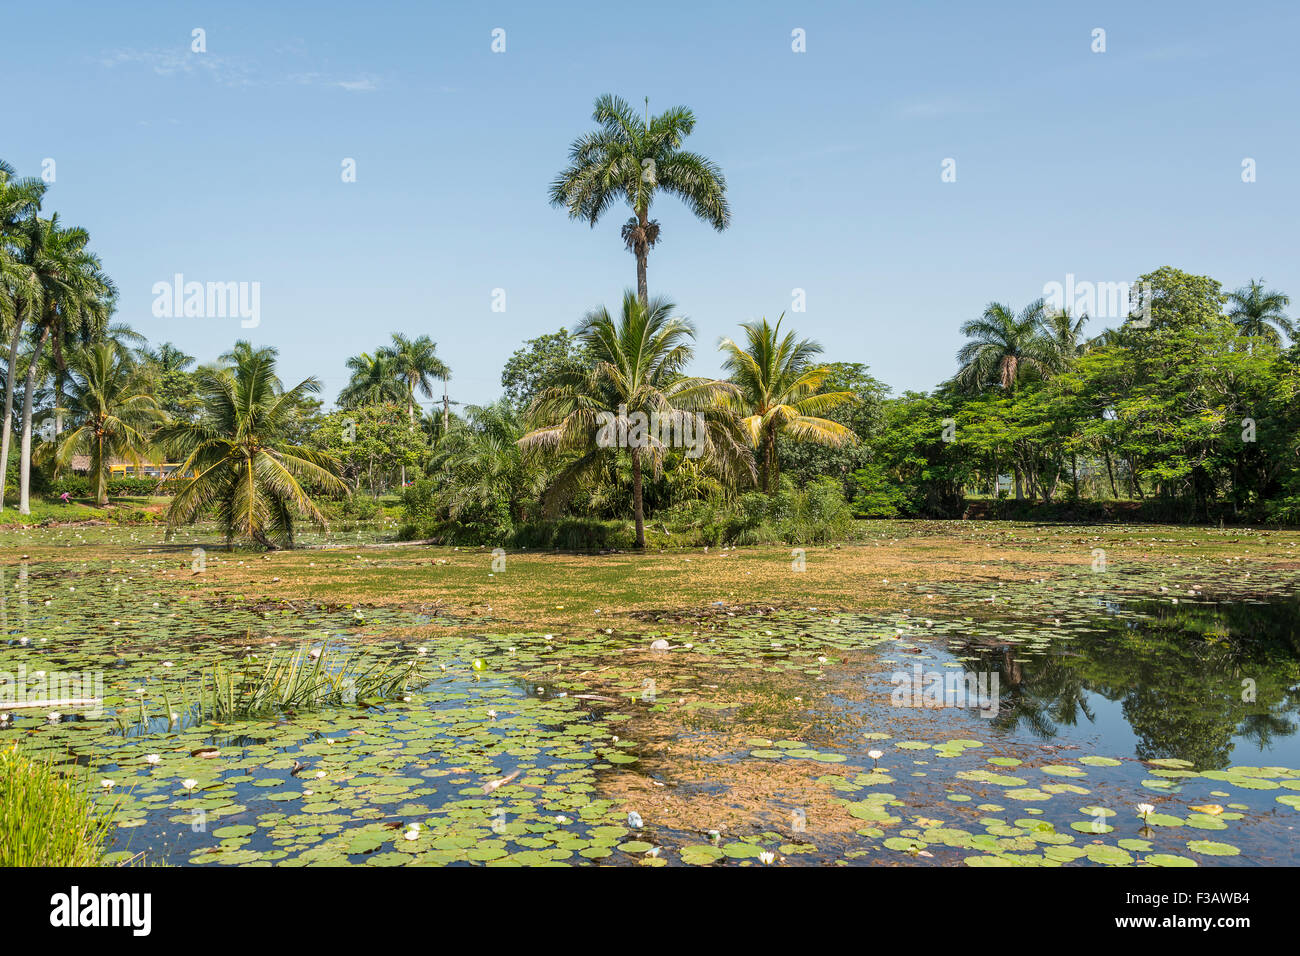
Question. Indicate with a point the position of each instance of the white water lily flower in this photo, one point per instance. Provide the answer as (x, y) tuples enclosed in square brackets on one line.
[(54, 718), (108, 784), (875, 754), (561, 819), (1145, 809), (189, 784), (152, 758), (767, 856), (492, 714)]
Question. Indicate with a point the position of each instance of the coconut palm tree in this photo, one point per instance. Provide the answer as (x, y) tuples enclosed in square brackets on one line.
[(1259, 313), (54, 362), (76, 297), (779, 393), (1063, 335), (20, 199), (242, 465), (114, 412), (1003, 347), (629, 158), (636, 370), (166, 358)]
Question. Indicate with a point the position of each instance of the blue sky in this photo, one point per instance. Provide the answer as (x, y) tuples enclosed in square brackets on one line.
[(225, 165)]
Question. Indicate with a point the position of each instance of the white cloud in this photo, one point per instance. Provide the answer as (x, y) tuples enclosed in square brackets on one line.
[(230, 71)]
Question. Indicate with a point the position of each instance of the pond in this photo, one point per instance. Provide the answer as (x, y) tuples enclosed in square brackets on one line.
[(1119, 719)]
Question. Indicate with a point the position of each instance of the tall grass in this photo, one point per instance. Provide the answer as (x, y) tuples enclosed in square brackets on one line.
[(47, 818), (296, 682)]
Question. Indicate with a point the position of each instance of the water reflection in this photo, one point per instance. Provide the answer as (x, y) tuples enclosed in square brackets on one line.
[(1212, 682)]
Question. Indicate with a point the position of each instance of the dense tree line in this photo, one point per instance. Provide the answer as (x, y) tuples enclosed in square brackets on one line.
[(1187, 411)]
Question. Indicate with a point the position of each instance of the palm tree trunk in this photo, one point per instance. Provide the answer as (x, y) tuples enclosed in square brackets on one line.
[(101, 486), (768, 483), (642, 255), (11, 386), (775, 479), (25, 457), (638, 510)]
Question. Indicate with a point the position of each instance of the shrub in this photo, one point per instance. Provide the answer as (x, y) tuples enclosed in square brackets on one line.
[(574, 534), (47, 818), (814, 514)]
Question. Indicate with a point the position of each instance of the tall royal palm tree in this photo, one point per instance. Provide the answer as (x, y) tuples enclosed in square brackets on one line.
[(20, 199), (780, 394), (373, 382), (631, 159), (76, 297), (242, 464), (636, 369), (1259, 313), (415, 362), (1003, 348), (112, 409)]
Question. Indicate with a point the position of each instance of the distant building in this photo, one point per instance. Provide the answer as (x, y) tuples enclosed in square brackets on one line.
[(120, 468)]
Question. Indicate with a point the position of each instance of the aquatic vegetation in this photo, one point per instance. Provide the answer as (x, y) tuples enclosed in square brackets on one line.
[(306, 679), (762, 735), (47, 815)]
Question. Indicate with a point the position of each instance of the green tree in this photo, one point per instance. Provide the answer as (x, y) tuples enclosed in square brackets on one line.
[(171, 372), (481, 480), (538, 363), (804, 462), (779, 393), (1003, 348), (1170, 296), (373, 443), (637, 371), (1260, 313), (20, 200), (112, 411), (373, 382), (631, 159), (415, 363), (76, 296), (243, 466)]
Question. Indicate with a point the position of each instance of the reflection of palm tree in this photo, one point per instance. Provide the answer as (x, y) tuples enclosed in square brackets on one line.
[(1261, 729), (1045, 692)]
